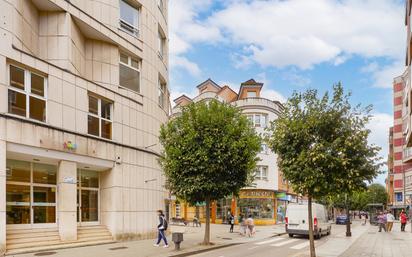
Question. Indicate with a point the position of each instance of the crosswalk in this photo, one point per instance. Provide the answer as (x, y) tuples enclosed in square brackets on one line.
[(292, 243)]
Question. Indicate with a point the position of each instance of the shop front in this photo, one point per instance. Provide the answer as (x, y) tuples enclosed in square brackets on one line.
[(261, 204)]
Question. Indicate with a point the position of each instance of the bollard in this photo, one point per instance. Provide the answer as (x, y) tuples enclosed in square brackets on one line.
[(177, 238)]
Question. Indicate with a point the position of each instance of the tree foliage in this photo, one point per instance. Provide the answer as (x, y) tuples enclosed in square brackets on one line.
[(209, 152), (322, 144)]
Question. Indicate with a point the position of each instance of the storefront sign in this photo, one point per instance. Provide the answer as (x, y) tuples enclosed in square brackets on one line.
[(256, 194), (68, 145)]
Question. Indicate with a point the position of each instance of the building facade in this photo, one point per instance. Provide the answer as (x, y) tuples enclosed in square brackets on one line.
[(263, 199), (389, 178), (83, 92)]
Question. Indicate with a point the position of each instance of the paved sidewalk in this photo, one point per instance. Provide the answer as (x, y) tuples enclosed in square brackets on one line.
[(390, 244), (192, 237)]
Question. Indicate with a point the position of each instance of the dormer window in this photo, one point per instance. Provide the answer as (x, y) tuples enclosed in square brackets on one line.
[(251, 94)]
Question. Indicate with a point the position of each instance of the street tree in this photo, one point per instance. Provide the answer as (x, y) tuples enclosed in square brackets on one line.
[(322, 146), (210, 152), (376, 193)]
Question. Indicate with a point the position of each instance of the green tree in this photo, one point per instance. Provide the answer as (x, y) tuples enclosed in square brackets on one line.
[(376, 193), (322, 145), (210, 152)]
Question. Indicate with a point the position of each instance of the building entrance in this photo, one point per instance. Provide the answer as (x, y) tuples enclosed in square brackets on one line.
[(30, 194), (88, 197)]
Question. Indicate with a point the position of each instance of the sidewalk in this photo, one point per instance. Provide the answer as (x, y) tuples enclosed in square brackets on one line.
[(220, 236), (392, 244)]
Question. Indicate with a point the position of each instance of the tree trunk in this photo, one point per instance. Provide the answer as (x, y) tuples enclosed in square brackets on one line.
[(348, 232), (311, 237), (206, 240)]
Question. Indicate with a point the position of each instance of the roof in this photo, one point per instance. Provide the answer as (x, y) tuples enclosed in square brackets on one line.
[(251, 82), (209, 80), (182, 97)]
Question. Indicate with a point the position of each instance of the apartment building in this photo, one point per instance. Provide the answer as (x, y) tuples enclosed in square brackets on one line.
[(389, 178), (83, 92), (270, 191)]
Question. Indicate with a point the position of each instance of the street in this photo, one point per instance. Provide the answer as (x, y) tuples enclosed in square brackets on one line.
[(276, 246)]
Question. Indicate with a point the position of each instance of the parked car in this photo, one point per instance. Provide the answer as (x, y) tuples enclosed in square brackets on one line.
[(342, 219), (296, 220)]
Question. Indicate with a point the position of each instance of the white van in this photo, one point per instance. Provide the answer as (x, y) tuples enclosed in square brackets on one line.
[(297, 222)]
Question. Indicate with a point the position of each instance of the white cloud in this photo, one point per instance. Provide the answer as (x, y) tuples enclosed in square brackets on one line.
[(383, 75), (295, 78), (183, 62), (305, 33), (273, 95)]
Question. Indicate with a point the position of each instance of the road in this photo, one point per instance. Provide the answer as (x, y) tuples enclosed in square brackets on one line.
[(282, 246)]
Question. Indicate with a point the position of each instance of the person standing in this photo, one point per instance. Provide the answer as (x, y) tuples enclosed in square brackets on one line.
[(231, 222), (403, 219), (250, 226), (363, 217), (389, 221), (382, 221), (242, 223), (161, 227)]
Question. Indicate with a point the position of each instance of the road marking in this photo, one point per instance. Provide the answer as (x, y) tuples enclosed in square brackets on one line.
[(254, 247), (270, 241), (286, 242), (300, 246)]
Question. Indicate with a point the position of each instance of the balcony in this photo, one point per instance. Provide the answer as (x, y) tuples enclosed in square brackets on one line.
[(407, 154), (259, 102)]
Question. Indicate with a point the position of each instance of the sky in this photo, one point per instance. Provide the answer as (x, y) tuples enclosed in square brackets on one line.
[(292, 45)]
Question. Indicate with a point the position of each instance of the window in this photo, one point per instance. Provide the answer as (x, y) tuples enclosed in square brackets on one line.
[(129, 18), (129, 72), (264, 148), (258, 120), (27, 94), (261, 173), (99, 122), (161, 43), (251, 94), (162, 92), (398, 197)]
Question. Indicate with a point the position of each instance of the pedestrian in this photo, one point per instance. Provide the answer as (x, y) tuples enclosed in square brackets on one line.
[(250, 226), (389, 221), (403, 219), (363, 217), (382, 221), (231, 222), (161, 227), (242, 222)]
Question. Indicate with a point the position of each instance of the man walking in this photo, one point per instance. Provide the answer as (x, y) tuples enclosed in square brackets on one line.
[(389, 221), (231, 222), (162, 227), (403, 219), (382, 221)]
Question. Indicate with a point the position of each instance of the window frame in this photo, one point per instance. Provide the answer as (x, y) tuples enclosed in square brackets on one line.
[(161, 43), (162, 91), (27, 91), (263, 119), (129, 65), (99, 115), (259, 172), (264, 148), (136, 30)]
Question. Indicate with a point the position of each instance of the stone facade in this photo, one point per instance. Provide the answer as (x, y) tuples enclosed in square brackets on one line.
[(75, 47)]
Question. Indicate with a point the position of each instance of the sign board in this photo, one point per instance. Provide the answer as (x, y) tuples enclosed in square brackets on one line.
[(257, 194), (69, 180)]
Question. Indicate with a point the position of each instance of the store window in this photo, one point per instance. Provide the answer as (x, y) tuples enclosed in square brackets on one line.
[(129, 72), (261, 173), (27, 94), (258, 208), (129, 18), (223, 209), (258, 119), (100, 117)]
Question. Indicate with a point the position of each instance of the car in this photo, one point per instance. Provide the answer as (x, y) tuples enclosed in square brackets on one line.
[(342, 219), (296, 220)]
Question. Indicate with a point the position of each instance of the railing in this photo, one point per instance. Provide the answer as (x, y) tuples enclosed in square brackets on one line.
[(407, 153), (207, 95), (257, 101)]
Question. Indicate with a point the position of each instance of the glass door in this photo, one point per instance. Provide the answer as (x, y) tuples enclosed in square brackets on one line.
[(88, 197), (30, 194)]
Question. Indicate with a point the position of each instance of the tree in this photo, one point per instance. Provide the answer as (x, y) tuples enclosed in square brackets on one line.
[(322, 146), (209, 153), (376, 194)]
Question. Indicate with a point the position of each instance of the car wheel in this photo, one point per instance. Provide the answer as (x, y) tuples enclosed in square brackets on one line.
[(290, 235)]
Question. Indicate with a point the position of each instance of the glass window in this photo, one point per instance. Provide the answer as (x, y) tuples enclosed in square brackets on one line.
[(162, 93), (16, 77), (129, 18), (18, 194), (27, 93), (129, 77), (89, 178), (261, 173), (44, 195), (44, 173), (37, 109), (93, 105), (258, 208), (44, 214), (161, 43), (37, 85), (18, 171), (124, 59), (251, 94), (263, 148), (257, 120), (93, 125), (17, 103), (99, 121)]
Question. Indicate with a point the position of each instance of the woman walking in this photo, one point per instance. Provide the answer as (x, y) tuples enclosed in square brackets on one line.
[(403, 219)]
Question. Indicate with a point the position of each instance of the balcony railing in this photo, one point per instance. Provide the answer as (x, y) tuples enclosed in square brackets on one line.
[(257, 101)]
